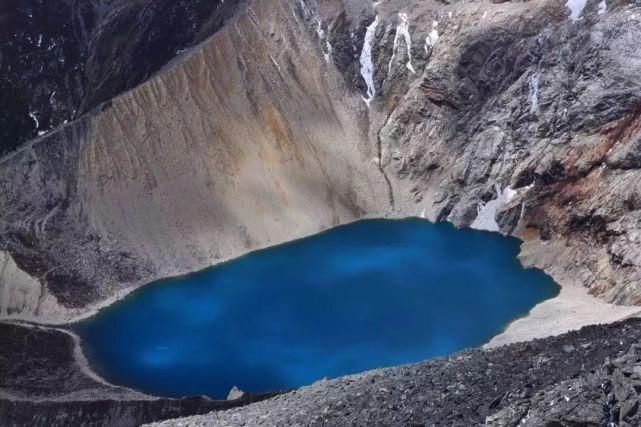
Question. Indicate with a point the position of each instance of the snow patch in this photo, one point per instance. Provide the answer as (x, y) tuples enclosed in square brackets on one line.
[(319, 29), (534, 91), (34, 118), (328, 51), (576, 8), (322, 35), (402, 30), (432, 37), (485, 220), (367, 67), (603, 7)]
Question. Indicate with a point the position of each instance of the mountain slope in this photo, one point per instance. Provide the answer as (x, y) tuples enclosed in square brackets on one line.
[(62, 58), (261, 135), (243, 144)]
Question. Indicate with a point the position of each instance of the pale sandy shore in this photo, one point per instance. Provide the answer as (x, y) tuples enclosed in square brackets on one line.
[(572, 309)]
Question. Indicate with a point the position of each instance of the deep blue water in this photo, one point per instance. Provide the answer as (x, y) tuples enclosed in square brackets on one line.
[(371, 294)]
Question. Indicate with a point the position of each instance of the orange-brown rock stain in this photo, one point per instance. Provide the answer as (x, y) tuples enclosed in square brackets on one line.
[(590, 155), (625, 128)]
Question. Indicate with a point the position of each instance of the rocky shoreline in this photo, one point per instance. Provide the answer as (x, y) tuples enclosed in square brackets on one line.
[(586, 377), (565, 379)]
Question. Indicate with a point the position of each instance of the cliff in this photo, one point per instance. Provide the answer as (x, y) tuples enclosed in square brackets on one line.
[(62, 58), (510, 117)]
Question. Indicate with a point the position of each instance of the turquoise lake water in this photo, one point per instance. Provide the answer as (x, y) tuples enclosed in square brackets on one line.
[(370, 294)]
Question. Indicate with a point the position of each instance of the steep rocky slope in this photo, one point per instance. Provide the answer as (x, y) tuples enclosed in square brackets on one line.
[(62, 58), (510, 116), (540, 104), (239, 146)]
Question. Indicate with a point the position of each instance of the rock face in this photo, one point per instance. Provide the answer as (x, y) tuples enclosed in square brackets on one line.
[(260, 135), (515, 95), (62, 58), (587, 377), (239, 146)]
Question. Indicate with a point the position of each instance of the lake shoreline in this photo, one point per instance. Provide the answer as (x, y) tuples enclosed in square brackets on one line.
[(546, 319), (427, 289), (572, 309)]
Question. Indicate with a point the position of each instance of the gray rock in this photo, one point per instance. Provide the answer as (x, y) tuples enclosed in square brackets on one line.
[(235, 393)]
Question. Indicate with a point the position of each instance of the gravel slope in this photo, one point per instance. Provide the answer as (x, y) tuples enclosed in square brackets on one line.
[(563, 380)]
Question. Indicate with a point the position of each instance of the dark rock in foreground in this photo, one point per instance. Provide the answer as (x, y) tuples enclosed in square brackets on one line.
[(587, 377), (43, 384)]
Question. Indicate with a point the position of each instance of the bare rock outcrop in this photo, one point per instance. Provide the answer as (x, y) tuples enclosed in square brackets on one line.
[(505, 116), (517, 96)]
